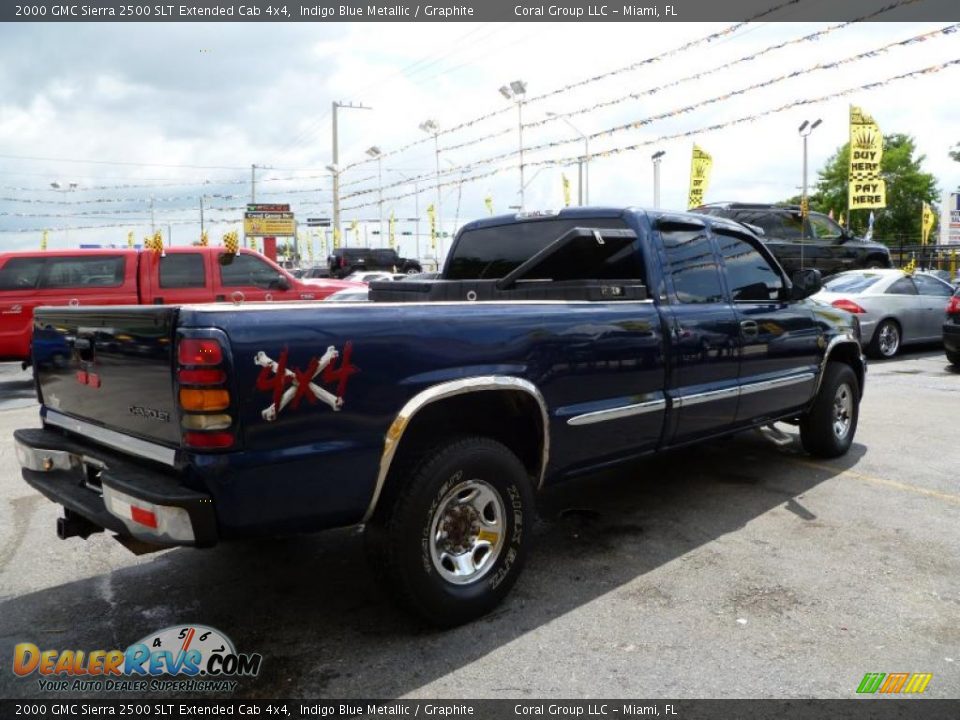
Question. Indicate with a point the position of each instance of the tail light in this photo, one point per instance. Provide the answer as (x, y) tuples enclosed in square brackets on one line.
[(204, 395), (849, 305), (953, 307)]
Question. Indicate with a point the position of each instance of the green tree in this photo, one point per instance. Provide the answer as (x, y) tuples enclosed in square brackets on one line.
[(955, 153), (908, 187)]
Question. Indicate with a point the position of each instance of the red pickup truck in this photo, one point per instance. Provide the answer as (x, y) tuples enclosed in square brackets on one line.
[(137, 277)]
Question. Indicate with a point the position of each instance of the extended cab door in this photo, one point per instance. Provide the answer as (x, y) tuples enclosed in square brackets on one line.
[(175, 277), (779, 339), (704, 333)]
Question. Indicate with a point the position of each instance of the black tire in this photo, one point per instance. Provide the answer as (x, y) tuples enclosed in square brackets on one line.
[(411, 269), (827, 429), (886, 341), (953, 358), (403, 539)]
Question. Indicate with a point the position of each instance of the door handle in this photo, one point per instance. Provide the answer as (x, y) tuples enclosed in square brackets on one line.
[(749, 328)]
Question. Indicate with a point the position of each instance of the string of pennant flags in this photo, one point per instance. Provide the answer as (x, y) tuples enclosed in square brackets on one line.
[(689, 78), (142, 223), (703, 40), (719, 68), (636, 124), (932, 69)]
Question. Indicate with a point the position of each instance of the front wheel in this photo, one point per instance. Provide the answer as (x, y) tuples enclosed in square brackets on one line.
[(451, 544), (828, 428), (886, 340), (953, 358)]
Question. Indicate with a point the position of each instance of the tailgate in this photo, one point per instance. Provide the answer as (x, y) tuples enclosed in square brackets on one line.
[(110, 366)]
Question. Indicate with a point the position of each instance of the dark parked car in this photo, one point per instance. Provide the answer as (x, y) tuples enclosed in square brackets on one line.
[(951, 330), (345, 261), (317, 271), (819, 242)]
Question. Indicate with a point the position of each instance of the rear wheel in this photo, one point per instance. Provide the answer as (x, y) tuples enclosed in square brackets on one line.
[(451, 544), (886, 340), (828, 428), (953, 358)]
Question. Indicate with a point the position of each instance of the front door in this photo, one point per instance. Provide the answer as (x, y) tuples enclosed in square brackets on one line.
[(780, 342)]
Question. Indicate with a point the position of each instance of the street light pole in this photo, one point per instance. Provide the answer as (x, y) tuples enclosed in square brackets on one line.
[(805, 129), (335, 106), (656, 176), (375, 152), (516, 92), (432, 128), (583, 163)]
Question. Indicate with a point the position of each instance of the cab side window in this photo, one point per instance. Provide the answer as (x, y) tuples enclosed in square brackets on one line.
[(249, 271), (182, 270), (21, 273), (691, 264), (83, 272), (749, 274)]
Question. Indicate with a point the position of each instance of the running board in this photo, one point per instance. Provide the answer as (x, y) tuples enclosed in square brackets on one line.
[(775, 435)]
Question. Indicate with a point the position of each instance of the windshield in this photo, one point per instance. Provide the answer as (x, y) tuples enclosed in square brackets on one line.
[(851, 282)]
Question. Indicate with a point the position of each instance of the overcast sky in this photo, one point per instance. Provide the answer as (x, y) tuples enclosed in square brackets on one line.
[(186, 108)]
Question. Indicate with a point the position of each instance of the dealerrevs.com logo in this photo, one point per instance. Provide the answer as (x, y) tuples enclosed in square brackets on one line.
[(197, 656)]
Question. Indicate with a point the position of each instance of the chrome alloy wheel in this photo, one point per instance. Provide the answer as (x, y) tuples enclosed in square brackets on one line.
[(842, 411), (889, 340), (467, 532)]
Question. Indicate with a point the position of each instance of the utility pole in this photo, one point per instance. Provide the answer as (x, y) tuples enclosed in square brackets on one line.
[(805, 129), (153, 225), (516, 91), (253, 183), (335, 167), (201, 214)]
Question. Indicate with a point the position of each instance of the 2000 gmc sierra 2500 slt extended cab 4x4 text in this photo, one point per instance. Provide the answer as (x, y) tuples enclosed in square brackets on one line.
[(550, 347)]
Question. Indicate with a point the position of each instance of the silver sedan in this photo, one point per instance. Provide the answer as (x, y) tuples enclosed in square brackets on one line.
[(894, 308)]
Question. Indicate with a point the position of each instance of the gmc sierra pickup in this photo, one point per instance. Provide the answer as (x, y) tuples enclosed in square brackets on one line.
[(551, 346)]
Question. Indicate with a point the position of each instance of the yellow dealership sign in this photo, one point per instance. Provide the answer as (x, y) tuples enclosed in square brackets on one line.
[(866, 189), (268, 224)]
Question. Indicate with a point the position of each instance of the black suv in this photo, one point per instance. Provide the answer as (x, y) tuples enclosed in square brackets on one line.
[(344, 261), (826, 247)]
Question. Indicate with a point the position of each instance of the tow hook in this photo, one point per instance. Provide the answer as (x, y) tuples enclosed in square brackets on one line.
[(73, 525)]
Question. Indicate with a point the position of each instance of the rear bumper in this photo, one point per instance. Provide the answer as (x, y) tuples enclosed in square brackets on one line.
[(951, 336), (114, 493)]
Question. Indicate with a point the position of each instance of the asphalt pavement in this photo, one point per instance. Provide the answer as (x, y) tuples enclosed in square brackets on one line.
[(735, 569)]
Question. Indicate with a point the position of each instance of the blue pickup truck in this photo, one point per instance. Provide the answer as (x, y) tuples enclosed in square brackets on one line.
[(552, 345)]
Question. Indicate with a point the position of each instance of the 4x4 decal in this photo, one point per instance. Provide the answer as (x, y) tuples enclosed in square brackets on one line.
[(290, 385)]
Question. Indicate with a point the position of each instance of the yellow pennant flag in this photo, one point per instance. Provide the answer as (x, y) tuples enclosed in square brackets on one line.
[(566, 189), (336, 238), (43, 241), (392, 230), (355, 229), (866, 188), (927, 219), (130, 239), (432, 215), (488, 201), (700, 166)]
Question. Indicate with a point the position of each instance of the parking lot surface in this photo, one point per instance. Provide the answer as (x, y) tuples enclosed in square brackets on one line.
[(736, 569)]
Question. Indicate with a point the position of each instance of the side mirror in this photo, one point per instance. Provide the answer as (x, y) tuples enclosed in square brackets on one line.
[(282, 282), (805, 283)]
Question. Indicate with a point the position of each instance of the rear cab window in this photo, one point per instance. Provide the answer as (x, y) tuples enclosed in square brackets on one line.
[(691, 264), (489, 253)]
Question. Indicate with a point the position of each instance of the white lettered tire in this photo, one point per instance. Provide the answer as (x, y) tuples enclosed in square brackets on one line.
[(453, 539)]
